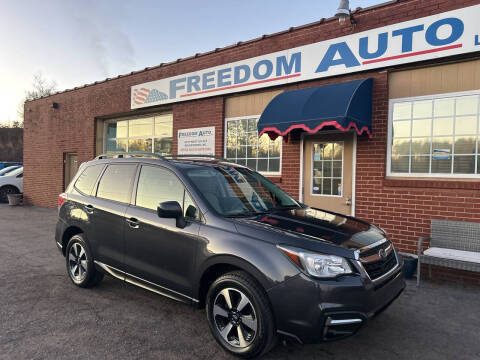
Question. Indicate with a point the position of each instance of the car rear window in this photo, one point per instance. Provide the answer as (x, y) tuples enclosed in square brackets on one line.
[(116, 182), (86, 180)]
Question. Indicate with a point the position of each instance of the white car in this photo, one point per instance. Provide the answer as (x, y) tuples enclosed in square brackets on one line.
[(8, 169), (11, 183)]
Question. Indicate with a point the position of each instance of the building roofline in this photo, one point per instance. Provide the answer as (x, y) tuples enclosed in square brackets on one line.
[(357, 11)]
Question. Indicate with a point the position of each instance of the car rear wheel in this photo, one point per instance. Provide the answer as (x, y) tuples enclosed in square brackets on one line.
[(239, 315), (7, 190), (80, 266)]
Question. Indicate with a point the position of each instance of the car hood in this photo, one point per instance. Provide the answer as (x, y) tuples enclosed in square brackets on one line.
[(312, 229)]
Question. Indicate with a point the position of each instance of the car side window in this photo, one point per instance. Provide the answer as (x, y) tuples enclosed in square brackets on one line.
[(190, 210), (116, 182), (87, 178), (156, 185)]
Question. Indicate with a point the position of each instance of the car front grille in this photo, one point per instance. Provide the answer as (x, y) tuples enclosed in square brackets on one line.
[(374, 265), (375, 250)]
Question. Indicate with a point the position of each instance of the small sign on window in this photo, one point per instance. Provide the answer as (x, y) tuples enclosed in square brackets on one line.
[(441, 154)]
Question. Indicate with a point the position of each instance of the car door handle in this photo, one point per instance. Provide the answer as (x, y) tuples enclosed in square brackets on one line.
[(89, 209), (133, 223)]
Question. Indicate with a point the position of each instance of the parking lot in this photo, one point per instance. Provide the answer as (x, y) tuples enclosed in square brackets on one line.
[(44, 316)]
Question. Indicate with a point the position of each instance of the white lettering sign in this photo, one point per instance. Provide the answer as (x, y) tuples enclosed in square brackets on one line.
[(446, 34), (197, 141)]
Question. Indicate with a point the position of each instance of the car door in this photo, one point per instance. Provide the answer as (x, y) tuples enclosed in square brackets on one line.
[(106, 213), (158, 254)]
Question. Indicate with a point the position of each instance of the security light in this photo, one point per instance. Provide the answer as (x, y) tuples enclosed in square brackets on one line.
[(343, 11)]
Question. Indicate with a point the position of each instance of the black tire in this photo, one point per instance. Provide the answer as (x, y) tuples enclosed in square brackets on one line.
[(6, 190), (238, 285), (80, 265)]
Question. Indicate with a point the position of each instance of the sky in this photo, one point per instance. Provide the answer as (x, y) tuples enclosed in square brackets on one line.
[(74, 42)]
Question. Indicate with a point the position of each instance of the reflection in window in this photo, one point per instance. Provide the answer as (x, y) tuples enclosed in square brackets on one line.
[(327, 169), (115, 183), (435, 136), (87, 179), (244, 147), (156, 185), (149, 134)]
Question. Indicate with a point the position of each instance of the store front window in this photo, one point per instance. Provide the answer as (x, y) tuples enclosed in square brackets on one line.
[(148, 134), (434, 136), (244, 147)]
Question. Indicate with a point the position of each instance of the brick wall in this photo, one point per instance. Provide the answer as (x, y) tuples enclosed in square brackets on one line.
[(402, 207)]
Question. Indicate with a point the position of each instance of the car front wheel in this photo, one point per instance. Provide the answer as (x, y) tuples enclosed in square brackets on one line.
[(239, 315), (7, 190), (80, 266)]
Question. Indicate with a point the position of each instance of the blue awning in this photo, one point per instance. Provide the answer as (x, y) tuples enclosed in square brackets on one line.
[(342, 106)]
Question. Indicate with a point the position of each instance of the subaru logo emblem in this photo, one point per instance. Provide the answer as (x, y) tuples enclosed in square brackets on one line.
[(382, 253)]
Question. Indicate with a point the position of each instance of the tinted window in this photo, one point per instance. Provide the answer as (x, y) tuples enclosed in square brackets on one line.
[(190, 210), (156, 185), (87, 179), (115, 182)]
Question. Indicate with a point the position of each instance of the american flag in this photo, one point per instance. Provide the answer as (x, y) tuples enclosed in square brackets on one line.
[(145, 96)]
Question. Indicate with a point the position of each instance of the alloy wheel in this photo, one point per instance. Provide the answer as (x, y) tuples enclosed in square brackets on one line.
[(234, 317), (77, 262)]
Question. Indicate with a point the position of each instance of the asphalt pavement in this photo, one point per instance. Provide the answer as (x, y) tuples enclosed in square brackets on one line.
[(44, 316)]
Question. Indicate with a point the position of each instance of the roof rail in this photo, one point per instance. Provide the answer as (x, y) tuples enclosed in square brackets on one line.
[(118, 155), (197, 156)]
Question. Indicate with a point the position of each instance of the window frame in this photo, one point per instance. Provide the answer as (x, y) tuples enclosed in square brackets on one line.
[(144, 116), (133, 200), (102, 174), (331, 178), (95, 183), (256, 117), (432, 97)]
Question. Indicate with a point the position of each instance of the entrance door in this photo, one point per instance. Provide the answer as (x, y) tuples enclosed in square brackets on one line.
[(328, 163), (70, 163)]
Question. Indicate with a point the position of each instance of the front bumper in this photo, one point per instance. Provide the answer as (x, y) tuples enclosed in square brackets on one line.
[(312, 310)]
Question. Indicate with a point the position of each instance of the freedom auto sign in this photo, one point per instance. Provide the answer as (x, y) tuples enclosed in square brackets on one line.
[(197, 141), (445, 34)]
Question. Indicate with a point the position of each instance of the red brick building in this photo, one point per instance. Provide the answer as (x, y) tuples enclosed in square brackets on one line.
[(422, 160)]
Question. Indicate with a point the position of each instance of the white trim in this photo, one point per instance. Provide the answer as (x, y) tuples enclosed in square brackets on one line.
[(390, 174), (354, 173), (257, 117)]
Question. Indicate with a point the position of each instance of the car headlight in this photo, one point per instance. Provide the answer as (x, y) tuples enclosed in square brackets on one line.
[(316, 264)]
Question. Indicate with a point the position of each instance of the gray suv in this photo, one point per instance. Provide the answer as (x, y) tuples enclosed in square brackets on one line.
[(223, 237)]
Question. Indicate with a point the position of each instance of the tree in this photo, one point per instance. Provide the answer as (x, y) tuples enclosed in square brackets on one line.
[(40, 87)]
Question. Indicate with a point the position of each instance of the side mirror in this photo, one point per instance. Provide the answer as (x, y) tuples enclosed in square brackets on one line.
[(171, 210)]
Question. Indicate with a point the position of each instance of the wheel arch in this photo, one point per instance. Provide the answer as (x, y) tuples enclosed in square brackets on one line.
[(222, 264), (67, 234)]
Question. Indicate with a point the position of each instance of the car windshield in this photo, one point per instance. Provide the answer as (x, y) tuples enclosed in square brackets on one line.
[(237, 191), (7, 170)]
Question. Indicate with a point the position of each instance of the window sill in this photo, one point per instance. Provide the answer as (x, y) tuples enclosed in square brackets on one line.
[(437, 183)]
